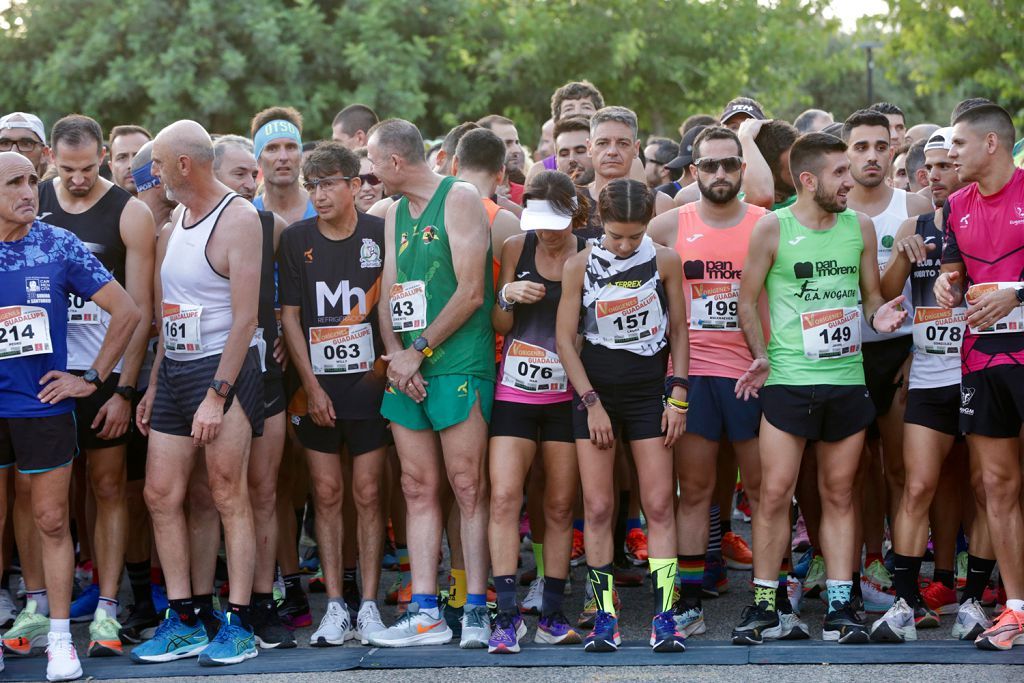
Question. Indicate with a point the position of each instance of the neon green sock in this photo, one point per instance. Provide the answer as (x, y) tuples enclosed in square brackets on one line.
[(603, 582), (538, 557), (663, 574)]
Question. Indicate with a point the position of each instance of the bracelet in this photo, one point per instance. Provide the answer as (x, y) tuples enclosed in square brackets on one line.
[(871, 323), (677, 403), (675, 409)]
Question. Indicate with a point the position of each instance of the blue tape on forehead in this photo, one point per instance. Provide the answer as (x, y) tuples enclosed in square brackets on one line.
[(275, 130), (144, 178)]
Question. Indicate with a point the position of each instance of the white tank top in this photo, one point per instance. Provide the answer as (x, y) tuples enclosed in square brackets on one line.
[(887, 224), (193, 289)]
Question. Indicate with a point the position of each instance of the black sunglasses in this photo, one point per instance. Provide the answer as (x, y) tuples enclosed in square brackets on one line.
[(728, 164)]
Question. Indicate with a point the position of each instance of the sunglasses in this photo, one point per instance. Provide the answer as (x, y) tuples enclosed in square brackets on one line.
[(727, 164), (370, 179)]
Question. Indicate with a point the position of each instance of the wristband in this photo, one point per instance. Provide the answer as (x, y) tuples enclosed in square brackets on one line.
[(672, 382), (503, 303), (684, 405)]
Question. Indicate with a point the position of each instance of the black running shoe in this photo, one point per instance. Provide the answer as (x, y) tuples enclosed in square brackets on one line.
[(757, 623), (844, 625), (140, 624), (270, 632)]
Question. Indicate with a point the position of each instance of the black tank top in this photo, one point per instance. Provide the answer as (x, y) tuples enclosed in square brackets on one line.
[(595, 226), (266, 320), (922, 277), (99, 227)]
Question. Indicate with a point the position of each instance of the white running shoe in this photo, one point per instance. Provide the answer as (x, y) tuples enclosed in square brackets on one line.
[(971, 621), (795, 592), (62, 664), (534, 597), (335, 628), (876, 600), (8, 611), (476, 627), (368, 622), (415, 627), (896, 626)]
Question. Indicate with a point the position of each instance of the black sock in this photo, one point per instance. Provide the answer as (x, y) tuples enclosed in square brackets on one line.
[(139, 579), (726, 522), (505, 586), (904, 576), (349, 576), (979, 571), (293, 587), (945, 577), (262, 599), (185, 610), (856, 586), (689, 587), (554, 595), (242, 612), (203, 601)]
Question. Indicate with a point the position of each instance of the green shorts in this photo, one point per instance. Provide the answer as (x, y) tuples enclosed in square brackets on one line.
[(448, 402)]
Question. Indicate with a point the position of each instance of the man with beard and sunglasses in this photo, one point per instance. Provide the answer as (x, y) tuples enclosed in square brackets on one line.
[(712, 236), (812, 259)]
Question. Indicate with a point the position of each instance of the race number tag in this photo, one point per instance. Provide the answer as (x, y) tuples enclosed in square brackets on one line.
[(341, 350), (533, 368), (181, 327), (408, 306), (24, 331), (831, 333), (630, 320), (714, 306), (1011, 322), (261, 348), (939, 331), (83, 311)]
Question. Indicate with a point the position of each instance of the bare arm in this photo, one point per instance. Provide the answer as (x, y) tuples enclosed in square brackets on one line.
[(662, 203), (918, 205), (506, 224), (382, 207), (764, 242), (758, 183), (670, 268), (390, 340), (510, 252), (124, 319), (902, 261), (568, 319), (664, 228), (687, 195), (241, 237), (870, 286), (140, 252)]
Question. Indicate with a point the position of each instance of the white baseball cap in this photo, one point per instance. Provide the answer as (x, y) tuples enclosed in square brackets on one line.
[(20, 119), (540, 214), (940, 139)]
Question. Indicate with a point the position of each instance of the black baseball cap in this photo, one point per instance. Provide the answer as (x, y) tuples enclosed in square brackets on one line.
[(685, 157), (742, 105)]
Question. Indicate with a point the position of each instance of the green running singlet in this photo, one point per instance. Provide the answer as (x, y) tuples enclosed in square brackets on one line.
[(813, 288), (424, 254)]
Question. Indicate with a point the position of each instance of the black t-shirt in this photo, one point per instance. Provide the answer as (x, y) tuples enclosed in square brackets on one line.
[(336, 283), (669, 188)]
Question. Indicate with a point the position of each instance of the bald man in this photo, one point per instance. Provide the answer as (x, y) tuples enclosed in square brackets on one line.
[(148, 188), (206, 390), (921, 131), (40, 267)]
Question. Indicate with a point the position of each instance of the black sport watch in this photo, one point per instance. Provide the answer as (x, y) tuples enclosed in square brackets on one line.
[(221, 387), (93, 378), (128, 393)]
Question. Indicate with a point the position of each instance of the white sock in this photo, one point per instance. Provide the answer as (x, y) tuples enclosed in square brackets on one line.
[(108, 606), (60, 626), (1015, 605), (42, 601)]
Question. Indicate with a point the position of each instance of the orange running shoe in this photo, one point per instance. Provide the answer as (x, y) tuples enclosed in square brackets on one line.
[(636, 547), (1005, 633), (579, 551), (736, 552), (940, 599)]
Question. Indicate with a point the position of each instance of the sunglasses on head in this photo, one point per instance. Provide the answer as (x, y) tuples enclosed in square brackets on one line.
[(728, 164)]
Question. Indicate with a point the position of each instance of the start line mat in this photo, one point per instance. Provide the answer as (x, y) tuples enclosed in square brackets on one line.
[(634, 653)]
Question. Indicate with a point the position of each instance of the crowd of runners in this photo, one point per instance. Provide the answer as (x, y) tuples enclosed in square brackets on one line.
[(212, 345)]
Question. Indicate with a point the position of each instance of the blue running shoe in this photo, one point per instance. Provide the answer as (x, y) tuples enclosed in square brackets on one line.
[(506, 633), (664, 635), (716, 579), (172, 640), (159, 596), (310, 565), (605, 635), (85, 606), (803, 564), (234, 643)]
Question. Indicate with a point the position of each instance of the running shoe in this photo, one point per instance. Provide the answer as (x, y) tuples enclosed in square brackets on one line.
[(689, 620), (211, 620), (876, 599), (335, 628), (389, 558), (368, 622), (7, 608), (742, 509), (172, 640), (971, 620), (605, 635), (961, 570), (665, 637), (84, 573), (63, 663), (579, 550), (940, 599), (141, 623), (803, 564), (476, 627), (316, 582), (85, 606), (509, 628), (801, 540), (104, 636), (1005, 633), (270, 633), (28, 632), (628, 576), (843, 625), (414, 628), (716, 579), (994, 596), (736, 552), (814, 580), (527, 576), (795, 593), (896, 626), (534, 597), (555, 629), (294, 611), (635, 547), (453, 617), (234, 643), (158, 594), (524, 527), (310, 565), (589, 613), (877, 574), (791, 626), (757, 623)]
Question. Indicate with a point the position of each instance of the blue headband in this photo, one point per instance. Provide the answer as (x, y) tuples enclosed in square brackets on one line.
[(275, 130), (144, 178)]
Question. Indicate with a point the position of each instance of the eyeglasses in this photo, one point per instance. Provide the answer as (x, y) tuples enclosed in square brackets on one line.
[(728, 164), (23, 145), (370, 179), (327, 183)]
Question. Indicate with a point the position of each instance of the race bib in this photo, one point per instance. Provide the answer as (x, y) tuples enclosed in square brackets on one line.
[(181, 327), (83, 311), (714, 306), (24, 331), (408, 306), (1011, 322), (939, 331), (533, 368), (261, 348), (832, 333), (629, 320), (341, 350)]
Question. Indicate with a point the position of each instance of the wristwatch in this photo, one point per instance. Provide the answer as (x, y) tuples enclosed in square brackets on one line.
[(221, 387), (423, 346), (93, 378), (128, 393)]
